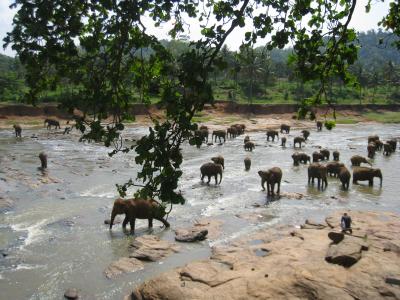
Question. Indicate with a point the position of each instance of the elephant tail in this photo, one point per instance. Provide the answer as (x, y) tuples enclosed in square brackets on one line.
[(220, 177)]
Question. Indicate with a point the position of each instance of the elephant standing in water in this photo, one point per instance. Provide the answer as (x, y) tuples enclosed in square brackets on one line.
[(373, 138), (219, 160), (285, 128), (336, 155), (246, 139), (325, 153), (18, 130), (211, 169), (356, 160), (371, 148), (317, 156), (52, 122), (272, 134), (344, 177), (43, 161), (306, 134), (393, 143), (232, 132), (137, 209), (316, 170), (247, 163), (319, 125), (387, 149), (283, 142), (333, 168), (300, 157), (249, 146), (298, 140), (272, 176), (365, 173), (220, 134)]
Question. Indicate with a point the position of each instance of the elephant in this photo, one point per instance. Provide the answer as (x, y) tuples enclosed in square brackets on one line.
[(356, 160), (306, 134), (373, 138), (371, 150), (283, 142), (379, 145), (219, 160), (211, 169), (325, 153), (232, 132), (387, 149), (203, 127), (247, 163), (52, 122), (249, 146), (271, 176), (272, 134), (240, 128), (316, 170), (285, 128), (393, 142), (298, 140), (18, 130), (344, 177), (319, 125), (300, 157), (220, 134), (317, 156), (333, 168), (43, 160), (246, 139), (365, 173), (202, 134), (336, 155), (137, 209)]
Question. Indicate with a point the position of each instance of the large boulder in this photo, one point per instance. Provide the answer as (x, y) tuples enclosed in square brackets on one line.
[(190, 235), (346, 252)]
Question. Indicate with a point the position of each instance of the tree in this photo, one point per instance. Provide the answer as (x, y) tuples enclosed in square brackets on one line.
[(95, 43)]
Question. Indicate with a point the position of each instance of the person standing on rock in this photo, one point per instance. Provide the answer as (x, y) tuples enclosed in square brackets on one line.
[(345, 223)]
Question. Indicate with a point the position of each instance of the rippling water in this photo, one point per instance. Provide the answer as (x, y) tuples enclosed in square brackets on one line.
[(54, 235)]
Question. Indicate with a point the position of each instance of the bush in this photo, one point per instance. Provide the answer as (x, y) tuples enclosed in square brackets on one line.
[(330, 124)]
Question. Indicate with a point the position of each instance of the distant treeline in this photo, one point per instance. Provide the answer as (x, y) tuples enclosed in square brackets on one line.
[(255, 75)]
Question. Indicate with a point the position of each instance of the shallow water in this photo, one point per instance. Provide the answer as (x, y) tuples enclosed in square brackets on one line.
[(55, 237)]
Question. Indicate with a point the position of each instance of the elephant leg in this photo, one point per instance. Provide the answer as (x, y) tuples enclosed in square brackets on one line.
[(202, 176), (162, 220), (371, 182), (272, 188), (209, 178), (268, 188), (125, 222), (150, 223), (132, 223), (262, 184), (279, 188), (216, 179), (319, 182)]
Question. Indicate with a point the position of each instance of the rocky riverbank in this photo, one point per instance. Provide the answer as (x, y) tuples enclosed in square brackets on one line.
[(313, 262)]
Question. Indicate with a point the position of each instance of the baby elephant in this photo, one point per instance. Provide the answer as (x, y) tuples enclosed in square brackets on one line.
[(356, 160), (249, 146), (52, 122), (344, 177), (246, 139), (247, 163), (319, 125), (285, 128), (219, 160), (317, 156), (333, 168), (43, 160), (137, 209), (272, 176), (18, 130), (283, 142), (211, 169), (316, 170), (298, 140), (325, 153), (336, 155), (387, 149), (364, 173), (306, 134), (272, 134)]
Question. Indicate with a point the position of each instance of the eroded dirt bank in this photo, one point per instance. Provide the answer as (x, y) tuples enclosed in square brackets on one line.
[(289, 263)]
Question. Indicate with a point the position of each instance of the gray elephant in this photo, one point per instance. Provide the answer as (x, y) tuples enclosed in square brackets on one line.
[(356, 160), (43, 160), (333, 168), (317, 156), (271, 177), (300, 157), (298, 140), (379, 145), (52, 122), (219, 160), (18, 130), (220, 134), (319, 125), (285, 128), (249, 146), (202, 134), (247, 163), (387, 149), (240, 128), (272, 134), (211, 169), (246, 139), (336, 155), (344, 177), (232, 132), (393, 142), (325, 153), (283, 142), (365, 173), (316, 170), (137, 209), (203, 127), (306, 134), (371, 148), (373, 138)]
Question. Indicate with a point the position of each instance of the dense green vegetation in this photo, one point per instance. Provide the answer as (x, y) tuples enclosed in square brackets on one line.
[(257, 76)]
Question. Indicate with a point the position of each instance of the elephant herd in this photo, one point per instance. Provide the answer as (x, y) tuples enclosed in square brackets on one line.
[(320, 168), (49, 122)]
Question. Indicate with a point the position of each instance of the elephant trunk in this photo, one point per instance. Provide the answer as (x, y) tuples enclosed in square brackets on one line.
[(113, 214)]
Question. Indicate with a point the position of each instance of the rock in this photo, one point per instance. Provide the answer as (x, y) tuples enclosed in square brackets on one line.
[(190, 235), (295, 196), (390, 246), (336, 237), (123, 265), (289, 268), (312, 225), (346, 252), (213, 227), (71, 294), (151, 248)]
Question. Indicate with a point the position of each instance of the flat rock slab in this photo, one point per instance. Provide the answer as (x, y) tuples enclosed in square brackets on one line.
[(151, 248), (213, 227), (346, 252), (190, 235), (122, 266), (312, 225)]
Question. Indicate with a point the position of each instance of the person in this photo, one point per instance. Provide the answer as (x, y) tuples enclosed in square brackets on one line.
[(345, 223)]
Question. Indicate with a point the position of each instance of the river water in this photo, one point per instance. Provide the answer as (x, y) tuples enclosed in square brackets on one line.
[(54, 236)]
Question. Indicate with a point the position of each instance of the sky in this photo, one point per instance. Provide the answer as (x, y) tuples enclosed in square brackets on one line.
[(360, 21)]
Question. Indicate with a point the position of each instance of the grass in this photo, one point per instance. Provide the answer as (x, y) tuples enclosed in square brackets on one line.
[(383, 117)]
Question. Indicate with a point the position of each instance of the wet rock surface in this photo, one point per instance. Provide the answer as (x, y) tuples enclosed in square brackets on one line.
[(151, 248), (190, 235), (293, 265), (123, 265)]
